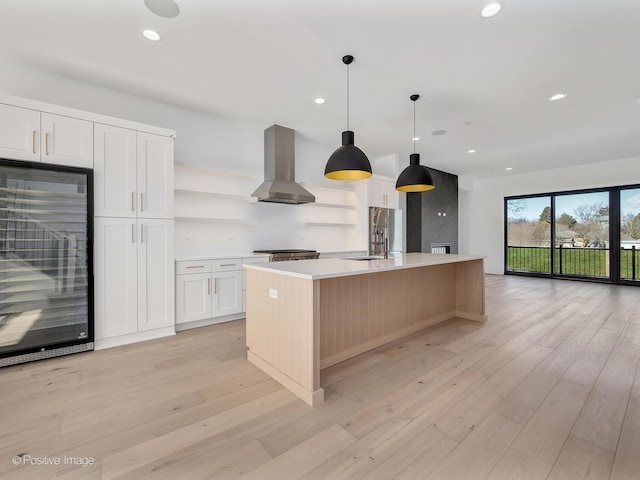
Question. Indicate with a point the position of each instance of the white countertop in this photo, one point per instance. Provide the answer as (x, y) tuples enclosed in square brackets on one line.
[(343, 267), (221, 256)]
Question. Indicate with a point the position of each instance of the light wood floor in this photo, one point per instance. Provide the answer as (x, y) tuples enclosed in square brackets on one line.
[(549, 388)]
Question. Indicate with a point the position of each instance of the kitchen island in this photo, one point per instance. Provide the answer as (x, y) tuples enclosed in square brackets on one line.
[(303, 316)]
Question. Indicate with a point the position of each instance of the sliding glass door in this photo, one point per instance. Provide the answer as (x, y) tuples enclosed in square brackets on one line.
[(528, 235), (581, 235), (586, 234), (630, 234)]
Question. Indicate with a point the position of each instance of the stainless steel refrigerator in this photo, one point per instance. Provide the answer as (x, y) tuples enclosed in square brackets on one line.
[(385, 231)]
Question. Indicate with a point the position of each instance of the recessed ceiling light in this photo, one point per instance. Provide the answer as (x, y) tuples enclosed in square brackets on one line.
[(438, 132), (163, 8), (509, 168), (491, 9), (319, 100), (557, 96), (471, 151), (151, 35), (415, 139)]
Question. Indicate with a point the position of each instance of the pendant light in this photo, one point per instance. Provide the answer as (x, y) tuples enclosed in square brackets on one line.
[(416, 177), (348, 162)]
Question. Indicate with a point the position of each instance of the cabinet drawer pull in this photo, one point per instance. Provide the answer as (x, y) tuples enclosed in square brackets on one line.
[(33, 141), (228, 265), (195, 266), (46, 143), (208, 286)]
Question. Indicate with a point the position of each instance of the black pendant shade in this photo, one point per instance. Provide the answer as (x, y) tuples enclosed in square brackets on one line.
[(348, 162), (416, 177)]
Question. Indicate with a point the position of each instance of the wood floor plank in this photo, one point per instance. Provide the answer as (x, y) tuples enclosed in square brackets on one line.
[(416, 459), (580, 459), (479, 451), (461, 419), (534, 452), (128, 460), (303, 458)]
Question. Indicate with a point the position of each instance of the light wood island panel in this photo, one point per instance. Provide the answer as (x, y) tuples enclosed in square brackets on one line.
[(316, 323)]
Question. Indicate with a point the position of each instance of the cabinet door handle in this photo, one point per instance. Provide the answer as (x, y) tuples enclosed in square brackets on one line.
[(141, 233), (209, 286), (46, 143), (195, 266), (133, 201), (33, 141), (133, 233), (142, 202), (215, 285)]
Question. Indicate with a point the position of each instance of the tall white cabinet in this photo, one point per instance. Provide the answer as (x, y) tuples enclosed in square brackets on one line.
[(133, 234), (134, 296)]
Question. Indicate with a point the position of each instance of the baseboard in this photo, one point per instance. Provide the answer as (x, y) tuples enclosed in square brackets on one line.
[(134, 338)]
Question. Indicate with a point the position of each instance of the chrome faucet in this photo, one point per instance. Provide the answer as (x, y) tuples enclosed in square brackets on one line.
[(386, 248)]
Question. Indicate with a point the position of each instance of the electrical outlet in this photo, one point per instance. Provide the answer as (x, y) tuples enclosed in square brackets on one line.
[(273, 293)]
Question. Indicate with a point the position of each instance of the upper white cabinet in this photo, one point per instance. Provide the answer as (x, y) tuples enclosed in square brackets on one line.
[(115, 171), (66, 141), (155, 176), (383, 193), (27, 134), (133, 173), (19, 133)]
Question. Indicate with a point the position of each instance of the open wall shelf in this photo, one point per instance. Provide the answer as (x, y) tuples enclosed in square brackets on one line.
[(219, 221), (224, 196)]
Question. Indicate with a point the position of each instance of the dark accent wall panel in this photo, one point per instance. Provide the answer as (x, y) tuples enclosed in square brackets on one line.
[(432, 217)]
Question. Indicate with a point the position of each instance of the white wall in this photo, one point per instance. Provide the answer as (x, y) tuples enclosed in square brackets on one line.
[(481, 221), (208, 142)]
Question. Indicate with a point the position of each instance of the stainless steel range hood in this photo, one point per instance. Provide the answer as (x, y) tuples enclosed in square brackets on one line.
[(279, 169)]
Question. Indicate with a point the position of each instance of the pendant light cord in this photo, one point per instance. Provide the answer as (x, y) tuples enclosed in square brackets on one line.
[(347, 96), (414, 127)]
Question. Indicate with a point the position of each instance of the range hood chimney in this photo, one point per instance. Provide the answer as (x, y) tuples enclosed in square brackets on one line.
[(279, 169)]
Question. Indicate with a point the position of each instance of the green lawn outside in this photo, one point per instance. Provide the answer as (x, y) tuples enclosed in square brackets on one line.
[(590, 262)]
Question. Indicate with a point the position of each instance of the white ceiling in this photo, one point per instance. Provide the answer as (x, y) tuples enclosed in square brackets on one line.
[(267, 60)]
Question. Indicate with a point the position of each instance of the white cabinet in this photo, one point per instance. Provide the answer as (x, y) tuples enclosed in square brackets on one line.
[(27, 134), (383, 193), (156, 299), (66, 141), (208, 291), (115, 277), (114, 171), (133, 276), (133, 173), (193, 297), (19, 133), (227, 293), (154, 176)]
